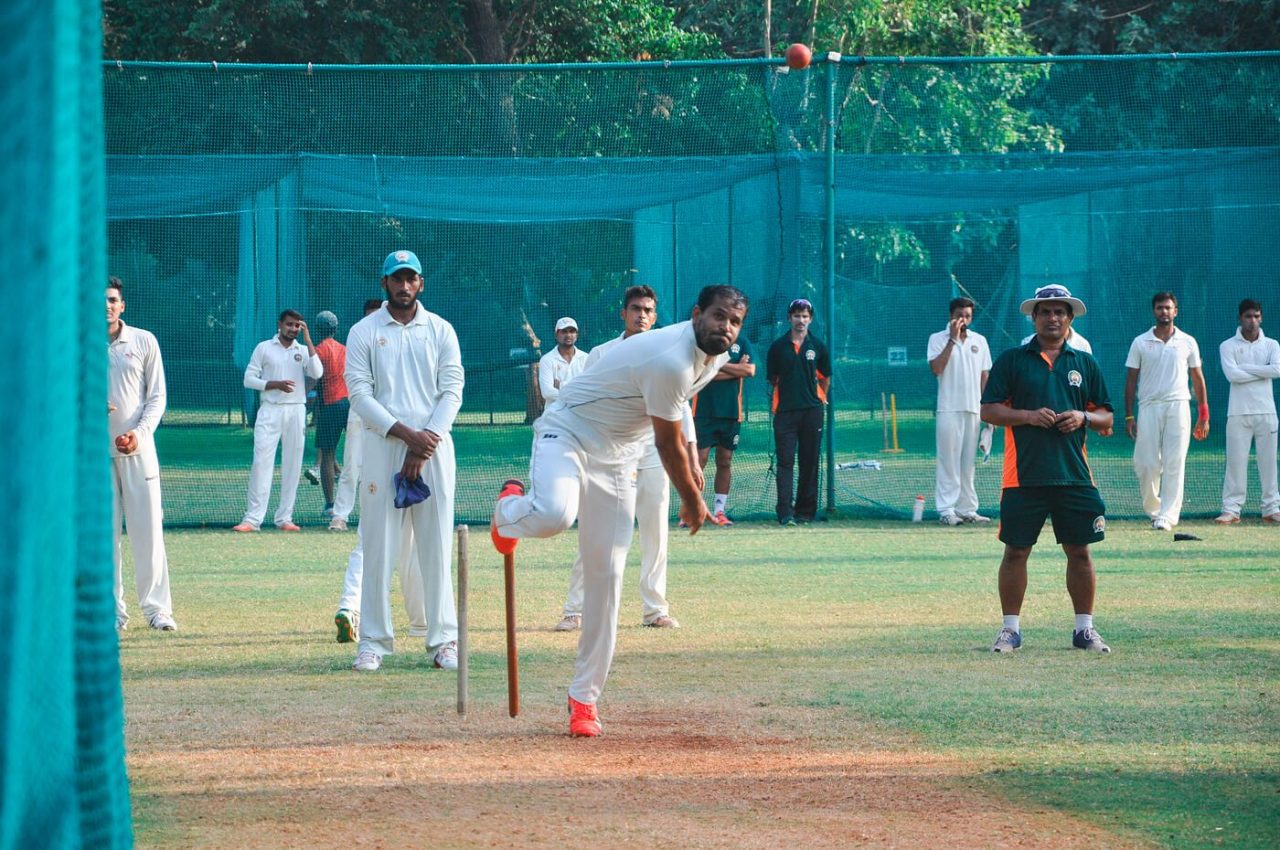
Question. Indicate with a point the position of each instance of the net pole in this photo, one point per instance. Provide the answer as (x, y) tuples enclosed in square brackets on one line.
[(830, 69)]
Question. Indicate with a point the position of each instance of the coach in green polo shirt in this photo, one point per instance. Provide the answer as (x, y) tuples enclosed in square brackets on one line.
[(717, 418), (1045, 394)]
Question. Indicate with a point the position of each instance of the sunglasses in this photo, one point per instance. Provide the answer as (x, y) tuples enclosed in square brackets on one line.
[(800, 302), (1052, 292)]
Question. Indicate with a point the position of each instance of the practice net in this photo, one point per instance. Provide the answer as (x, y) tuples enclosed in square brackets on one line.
[(534, 192)]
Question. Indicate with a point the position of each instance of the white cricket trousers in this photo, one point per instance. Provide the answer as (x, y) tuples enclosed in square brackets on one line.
[(384, 529), (410, 581), (957, 439), (566, 482), (344, 500), (653, 515), (1259, 429), (284, 425), (1160, 456), (135, 498)]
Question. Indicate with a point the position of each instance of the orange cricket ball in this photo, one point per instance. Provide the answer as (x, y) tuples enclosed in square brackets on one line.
[(799, 56)]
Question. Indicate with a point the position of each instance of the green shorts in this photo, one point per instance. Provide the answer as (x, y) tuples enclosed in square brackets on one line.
[(1078, 513), (717, 431)]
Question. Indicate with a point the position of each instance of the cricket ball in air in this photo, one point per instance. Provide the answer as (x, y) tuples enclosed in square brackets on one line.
[(798, 56)]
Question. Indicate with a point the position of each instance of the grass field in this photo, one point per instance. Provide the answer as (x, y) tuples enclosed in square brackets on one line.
[(831, 687), (204, 471)]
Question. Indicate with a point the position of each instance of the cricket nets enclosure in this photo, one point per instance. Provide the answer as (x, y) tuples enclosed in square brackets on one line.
[(877, 187)]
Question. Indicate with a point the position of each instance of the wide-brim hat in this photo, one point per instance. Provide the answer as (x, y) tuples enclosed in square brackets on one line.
[(1053, 292)]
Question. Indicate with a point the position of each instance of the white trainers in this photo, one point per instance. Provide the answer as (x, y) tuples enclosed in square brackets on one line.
[(367, 660), (337, 524), (974, 518), (163, 623), (447, 656), (1161, 524), (569, 623), (949, 519)]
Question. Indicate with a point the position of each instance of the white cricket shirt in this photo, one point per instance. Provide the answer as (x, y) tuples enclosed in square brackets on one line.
[(135, 385), (645, 375), (272, 361), (552, 367), (1163, 366), (1075, 340), (960, 384), (410, 373), (1250, 367)]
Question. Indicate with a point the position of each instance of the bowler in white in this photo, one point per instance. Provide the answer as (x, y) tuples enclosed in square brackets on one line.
[(1159, 364), (278, 370), (405, 377), (1251, 361), (585, 449), (961, 360), (135, 403)]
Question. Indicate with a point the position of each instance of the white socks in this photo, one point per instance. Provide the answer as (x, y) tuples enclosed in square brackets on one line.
[(1084, 621), (1011, 623), (722, 499)]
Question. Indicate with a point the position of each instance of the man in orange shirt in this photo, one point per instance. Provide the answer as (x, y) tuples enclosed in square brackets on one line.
[(332, 405)]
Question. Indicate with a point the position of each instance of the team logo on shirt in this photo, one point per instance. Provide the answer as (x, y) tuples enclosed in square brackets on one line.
[(811, 355), (735, 348), (382, 342), (735, 440), (1099, 524), (373, 488), (297, 358), (1074, 378), (974, 348)]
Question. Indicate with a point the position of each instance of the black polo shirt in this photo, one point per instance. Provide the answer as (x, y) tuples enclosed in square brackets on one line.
[(1023, 379), (794, 371)]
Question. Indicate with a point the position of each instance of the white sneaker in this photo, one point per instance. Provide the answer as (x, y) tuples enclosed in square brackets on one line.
[(163, 623), (949, 519), (337, 524), (569, 623), (367, 660), (975, 517), (447, 656), (1161, 524)]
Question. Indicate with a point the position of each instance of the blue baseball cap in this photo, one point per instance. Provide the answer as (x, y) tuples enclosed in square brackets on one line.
[(398, 260)]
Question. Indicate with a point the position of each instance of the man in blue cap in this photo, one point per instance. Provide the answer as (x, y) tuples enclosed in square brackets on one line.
[(404, 375)]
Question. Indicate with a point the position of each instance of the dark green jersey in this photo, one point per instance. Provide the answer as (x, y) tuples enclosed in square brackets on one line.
[(723, 399), (1023, 379)]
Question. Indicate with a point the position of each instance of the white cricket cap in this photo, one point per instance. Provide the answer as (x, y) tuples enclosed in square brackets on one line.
[(566, 322)]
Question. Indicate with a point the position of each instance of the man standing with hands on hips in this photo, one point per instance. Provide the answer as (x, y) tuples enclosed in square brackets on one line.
[(404, 374), (135, 402), (1159, 363), (961, 361), (278, 370)]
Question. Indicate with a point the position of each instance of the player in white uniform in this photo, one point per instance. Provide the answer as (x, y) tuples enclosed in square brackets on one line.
[(1159, 363), (653, 492), (404, 374), (561, 364), (584, 456), (961, 360), (1251, 361), (278, 369), (135, 403)]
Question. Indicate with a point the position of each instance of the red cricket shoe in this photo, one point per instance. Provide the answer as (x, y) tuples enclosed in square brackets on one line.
[(583, 720), (505, 545)]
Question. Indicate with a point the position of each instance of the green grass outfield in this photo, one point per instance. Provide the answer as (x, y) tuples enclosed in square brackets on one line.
[(204, 471), (878, 630)]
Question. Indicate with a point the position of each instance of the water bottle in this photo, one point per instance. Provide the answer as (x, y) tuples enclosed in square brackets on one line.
[(917, 512)]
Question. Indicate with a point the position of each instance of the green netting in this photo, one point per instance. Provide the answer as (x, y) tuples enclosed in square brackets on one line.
[(533, 192), (62, 775)]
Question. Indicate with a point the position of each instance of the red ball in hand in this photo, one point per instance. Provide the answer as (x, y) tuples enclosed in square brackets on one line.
[(123, 444), (799, 56)]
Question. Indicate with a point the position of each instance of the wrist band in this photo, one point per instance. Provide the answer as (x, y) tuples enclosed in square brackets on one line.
[(1128, 419), (1204, 411)]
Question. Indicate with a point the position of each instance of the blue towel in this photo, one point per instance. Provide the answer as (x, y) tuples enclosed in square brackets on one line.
[(410, 492)]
